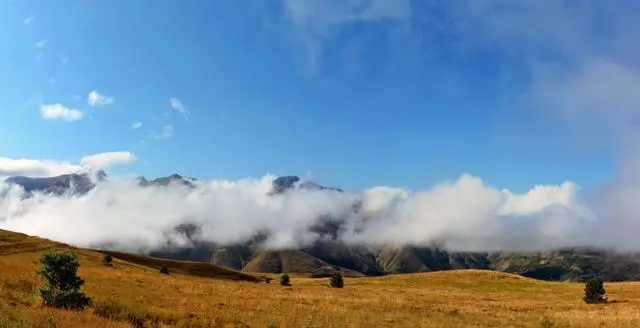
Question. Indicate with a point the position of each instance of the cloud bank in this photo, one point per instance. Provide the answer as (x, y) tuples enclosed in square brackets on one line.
[(466, 213)]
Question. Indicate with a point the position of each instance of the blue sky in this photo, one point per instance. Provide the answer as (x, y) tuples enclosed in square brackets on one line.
[(360, 93)]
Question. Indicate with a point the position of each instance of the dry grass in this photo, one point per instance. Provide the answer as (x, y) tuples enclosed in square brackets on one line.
[(130, 294), (198, 269)]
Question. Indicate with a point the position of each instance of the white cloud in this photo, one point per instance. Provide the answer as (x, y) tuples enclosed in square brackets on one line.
[(102, 160), (180, 107), (64, 60), (466, 213), (47, 167), (95, 99), (165, 133), (28, 20), (41, 43), (60, 112), (34, 167), (136, 125)]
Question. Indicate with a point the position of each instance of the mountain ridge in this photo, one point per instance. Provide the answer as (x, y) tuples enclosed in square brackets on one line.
[(329, 254)]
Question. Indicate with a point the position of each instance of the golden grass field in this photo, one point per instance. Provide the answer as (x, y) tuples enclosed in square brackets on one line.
[(128, 294)]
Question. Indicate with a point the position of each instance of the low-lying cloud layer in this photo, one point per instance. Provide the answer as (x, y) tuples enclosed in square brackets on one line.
[(466, 214)]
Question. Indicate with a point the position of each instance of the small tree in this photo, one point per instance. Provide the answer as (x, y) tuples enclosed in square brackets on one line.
[(62, 290), (164, 270), (284, 280), (107, 260), (336, 280), (594, 291)]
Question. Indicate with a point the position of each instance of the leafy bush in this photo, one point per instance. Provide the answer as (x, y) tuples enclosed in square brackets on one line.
[(107, 260), (59, 269), (164, 270), (336, 280), (594, 291), (284, 280)]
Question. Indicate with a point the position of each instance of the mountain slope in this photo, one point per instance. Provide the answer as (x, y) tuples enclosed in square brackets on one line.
[(408, 259), (293, 261)]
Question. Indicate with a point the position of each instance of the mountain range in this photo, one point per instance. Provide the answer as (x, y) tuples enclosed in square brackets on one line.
[(328, 254)]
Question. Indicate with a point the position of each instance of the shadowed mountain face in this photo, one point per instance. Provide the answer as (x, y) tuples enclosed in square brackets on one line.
[(72, 184), (81, 183), (165, 181), (329, 254), (286, 183)]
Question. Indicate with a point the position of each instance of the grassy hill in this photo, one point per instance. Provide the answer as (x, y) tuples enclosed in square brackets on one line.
[(132, 292), (197, 269)]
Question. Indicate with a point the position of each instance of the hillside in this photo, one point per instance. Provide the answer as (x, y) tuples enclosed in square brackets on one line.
[(129, 292)]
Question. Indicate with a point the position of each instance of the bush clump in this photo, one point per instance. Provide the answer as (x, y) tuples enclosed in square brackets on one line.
[(285, 280), (594, 291), (59, 269), (107, 260), (164, 270), (336, 281)]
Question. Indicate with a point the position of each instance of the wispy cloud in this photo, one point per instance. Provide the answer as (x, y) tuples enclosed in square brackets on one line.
[(48, 167), (165, 133), (34, 167), (95, 99), (64, 60), (180, 107), (29, 19), (313, 22), (136, 125), (102, 160), (60, 112), (33, 102), (41, 43)]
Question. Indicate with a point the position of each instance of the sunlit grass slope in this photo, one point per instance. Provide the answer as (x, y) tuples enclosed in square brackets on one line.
[(132, 292)]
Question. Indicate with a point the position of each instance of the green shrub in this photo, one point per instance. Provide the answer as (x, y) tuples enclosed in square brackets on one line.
[(284, 280), (164, 270), (336, 280), (59, 269), (594, 291), (107, 260)]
